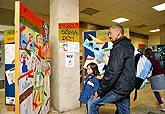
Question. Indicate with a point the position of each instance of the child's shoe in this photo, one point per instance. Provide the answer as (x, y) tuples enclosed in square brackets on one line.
[(162, 107)]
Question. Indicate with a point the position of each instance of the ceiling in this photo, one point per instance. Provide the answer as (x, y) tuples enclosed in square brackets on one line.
[(142, 17)]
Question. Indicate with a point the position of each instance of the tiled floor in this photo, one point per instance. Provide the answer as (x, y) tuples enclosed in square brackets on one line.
[(145, 104)]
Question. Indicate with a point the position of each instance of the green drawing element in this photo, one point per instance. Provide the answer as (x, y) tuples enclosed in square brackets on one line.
[(30, 25), (70, 32), (9, 32)]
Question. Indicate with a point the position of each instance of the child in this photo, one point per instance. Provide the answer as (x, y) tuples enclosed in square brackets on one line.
[(157, 78), (91, 83)]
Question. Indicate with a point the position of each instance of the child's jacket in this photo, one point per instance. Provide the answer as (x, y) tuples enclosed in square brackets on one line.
[(90, 86)]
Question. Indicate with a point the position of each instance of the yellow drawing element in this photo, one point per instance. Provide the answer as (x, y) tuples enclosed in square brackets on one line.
[(38, 97), (102, 35), (9, 36), (97, 41), (126, 32)]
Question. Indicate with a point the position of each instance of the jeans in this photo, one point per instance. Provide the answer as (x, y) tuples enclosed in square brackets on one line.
[(122, 103)]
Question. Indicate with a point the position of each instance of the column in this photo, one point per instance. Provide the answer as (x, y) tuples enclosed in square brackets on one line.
[(162, 34), (65, 82)]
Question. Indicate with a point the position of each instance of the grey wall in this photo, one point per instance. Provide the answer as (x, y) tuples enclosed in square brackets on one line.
[(2, 62)]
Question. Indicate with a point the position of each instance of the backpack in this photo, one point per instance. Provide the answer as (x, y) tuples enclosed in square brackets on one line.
[(143, 71)]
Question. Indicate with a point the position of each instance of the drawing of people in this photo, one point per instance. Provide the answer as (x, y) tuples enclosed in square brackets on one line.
[(65, 47), (45, 52), (46, 31), (33, 63), (27, 41), (39, 43), (10, 76), (30, 40), (24, 58)]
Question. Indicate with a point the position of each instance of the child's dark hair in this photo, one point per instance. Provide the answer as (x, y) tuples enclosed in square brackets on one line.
[(94, 67), (148, 51)]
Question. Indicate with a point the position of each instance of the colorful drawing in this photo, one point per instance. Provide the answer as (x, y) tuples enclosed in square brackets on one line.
[(9, 40), (34, 63), (27, 37), (10, 100), (10, 74), (9, 55)]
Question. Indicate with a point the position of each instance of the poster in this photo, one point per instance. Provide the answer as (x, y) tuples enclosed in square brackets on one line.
[(69, 60), (34, 63), (97, 47), (9, 44), (69, 32), (69, 46)]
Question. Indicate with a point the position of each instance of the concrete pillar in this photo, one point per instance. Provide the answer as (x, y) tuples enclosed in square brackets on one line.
[(65, 82), (162, 34)]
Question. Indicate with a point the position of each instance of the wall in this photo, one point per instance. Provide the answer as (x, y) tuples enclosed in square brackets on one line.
[(137, 41), (2, 66), (154, 40)]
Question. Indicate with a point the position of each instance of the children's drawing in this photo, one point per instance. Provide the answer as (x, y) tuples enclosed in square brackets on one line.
[(27, 38), (25, 61), (27, 106), (46, 31), (10, 74), (39, 43), (45, 51), (96, 40), (38, 90), (10, 100), (9, 53), (24, 83), (34, 61)]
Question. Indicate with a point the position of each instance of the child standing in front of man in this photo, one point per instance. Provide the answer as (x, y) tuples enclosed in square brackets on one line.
[(91, 83)]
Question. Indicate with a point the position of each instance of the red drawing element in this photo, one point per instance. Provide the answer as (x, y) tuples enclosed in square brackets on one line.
[(13, 61), (99, 42), (90, 58), (29, 15), (73, 25), (29, 73), (22, 28), (39, 49)]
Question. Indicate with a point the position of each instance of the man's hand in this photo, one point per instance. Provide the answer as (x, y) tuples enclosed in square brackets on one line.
[(105, 59), (96, 95)]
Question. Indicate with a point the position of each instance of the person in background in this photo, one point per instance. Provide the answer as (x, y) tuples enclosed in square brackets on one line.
[(119, 78), (157, 78), (91, 83)]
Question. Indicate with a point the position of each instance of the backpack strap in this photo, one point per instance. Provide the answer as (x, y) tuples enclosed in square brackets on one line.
[(135, 95)]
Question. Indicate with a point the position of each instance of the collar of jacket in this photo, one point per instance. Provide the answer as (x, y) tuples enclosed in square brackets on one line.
[(121, 39)]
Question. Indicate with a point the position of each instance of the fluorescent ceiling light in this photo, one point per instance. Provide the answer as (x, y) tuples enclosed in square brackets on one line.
[(160, 7), (156, 30), (120, 20)]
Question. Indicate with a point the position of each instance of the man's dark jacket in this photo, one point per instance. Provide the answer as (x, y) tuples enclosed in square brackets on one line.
[(119, 75)]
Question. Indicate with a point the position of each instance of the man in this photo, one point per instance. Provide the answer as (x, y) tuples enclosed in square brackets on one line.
[(119, 78)]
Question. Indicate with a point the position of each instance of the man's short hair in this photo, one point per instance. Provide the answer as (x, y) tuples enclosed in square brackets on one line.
[(119, 27)]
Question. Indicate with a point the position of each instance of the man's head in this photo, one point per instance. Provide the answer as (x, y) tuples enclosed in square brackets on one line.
[(115, 32)]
